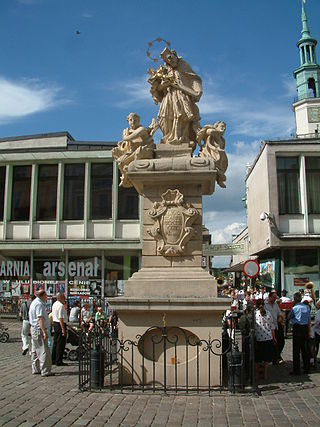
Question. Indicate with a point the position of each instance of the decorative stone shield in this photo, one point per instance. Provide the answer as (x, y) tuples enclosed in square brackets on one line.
[(173, 219)]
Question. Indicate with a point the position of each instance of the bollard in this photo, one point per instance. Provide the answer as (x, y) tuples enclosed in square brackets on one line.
[(97, 369), (235, 380)]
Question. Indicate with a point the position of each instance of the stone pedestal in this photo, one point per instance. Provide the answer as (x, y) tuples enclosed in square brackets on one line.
[(171, 280)]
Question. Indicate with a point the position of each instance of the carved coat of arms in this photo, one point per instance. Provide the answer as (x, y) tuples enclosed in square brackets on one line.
[(173, 219)]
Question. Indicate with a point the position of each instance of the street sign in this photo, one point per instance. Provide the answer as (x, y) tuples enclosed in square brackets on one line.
[(224, 249), (251, 268)]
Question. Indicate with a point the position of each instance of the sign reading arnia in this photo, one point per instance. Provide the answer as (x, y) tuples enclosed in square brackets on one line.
[(173, 219)]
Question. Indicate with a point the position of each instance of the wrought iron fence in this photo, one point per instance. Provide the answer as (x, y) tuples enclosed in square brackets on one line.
[(168, 359)]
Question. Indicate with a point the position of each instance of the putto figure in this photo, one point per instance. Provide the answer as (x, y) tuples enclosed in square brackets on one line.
[(136, 144), (214, 147), (177, 88)]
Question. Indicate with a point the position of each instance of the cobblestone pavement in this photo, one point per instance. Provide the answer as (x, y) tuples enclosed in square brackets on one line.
[(29, 400)]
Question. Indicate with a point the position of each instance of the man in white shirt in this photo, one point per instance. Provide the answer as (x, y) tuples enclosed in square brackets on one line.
[(39, 323), (271, 305), (59, 317)]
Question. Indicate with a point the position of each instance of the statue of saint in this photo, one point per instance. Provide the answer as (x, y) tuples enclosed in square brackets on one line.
[(177, 88), (136, 144)]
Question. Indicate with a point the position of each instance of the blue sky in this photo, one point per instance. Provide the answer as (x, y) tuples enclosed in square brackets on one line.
[(53, 79)]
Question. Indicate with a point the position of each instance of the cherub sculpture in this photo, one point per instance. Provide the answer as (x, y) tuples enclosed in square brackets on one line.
[(214, 147), (177, 88), (137, 143)]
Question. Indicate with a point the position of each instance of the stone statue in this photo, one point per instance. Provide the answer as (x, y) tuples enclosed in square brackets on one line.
[(177, 88), (214, 148), (136, 144)]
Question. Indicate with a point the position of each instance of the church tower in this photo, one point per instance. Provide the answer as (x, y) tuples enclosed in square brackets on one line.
[(307, 106)]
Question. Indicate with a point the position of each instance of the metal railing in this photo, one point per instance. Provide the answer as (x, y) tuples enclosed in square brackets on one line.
[(166, 359)]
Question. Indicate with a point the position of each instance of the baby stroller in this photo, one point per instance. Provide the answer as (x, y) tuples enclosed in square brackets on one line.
[(4, 336), (73, 339)]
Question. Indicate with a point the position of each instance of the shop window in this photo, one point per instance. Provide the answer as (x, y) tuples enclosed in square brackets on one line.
[(313, 184), (49, 274), (84, 280), (21, 193), (47, 192), (73, 200), (2, 187), (288, 185), (101, 190), (300, 267), (128, 203), (14, 282)]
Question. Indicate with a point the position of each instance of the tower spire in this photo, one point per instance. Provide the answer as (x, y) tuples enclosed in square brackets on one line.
[(307, 106), (305, 28)]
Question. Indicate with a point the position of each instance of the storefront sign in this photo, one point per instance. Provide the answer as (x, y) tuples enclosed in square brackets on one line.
[(300, 281), (16, 268), (75, 268)]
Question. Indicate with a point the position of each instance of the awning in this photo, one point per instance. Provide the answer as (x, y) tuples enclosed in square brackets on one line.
[(234, 268)]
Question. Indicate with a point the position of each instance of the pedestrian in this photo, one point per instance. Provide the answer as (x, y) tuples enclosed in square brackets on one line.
[(286, 305), (100, 316), (39, 323), (75, 312), (59, 316), (25, 330), (301, 332), (264, 339), (271, 305), (316, 330)]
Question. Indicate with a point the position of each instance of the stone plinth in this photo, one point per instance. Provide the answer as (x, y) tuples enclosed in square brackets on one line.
[(171, 279)]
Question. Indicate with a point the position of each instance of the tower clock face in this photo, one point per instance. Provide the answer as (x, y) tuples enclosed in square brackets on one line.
[(314, 114)]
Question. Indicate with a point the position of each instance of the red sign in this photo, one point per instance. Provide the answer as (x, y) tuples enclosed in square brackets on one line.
[(300, 281), (251, 268)]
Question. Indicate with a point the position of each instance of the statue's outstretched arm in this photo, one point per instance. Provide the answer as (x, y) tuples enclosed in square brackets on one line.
[(140, 131)]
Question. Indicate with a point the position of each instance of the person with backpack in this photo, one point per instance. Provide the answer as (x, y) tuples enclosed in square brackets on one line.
[(25, 330)]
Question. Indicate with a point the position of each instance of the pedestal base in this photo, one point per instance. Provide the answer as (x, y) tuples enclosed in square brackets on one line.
[(178, 340)]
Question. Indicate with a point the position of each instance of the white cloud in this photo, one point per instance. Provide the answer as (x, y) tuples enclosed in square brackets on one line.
[(20, 99), (251, 117), (290, 86), (131, 92), (87, 15)]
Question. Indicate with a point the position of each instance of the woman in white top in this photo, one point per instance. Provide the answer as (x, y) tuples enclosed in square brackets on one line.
[(265, 338)]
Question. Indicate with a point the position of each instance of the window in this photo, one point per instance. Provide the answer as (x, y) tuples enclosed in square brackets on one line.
[(73, 200), (300, 267), (21, 193), (313, 184), (312, 88), (2, 187), (288, 185), (101, 190), (47, 192), (128, 203)]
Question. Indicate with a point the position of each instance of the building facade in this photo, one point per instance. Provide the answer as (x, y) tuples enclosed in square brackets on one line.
[(64, 222), (282, 189), (283, 211)]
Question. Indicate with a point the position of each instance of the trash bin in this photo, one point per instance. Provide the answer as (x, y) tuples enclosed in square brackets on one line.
[(97, 369), (235, 362)]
